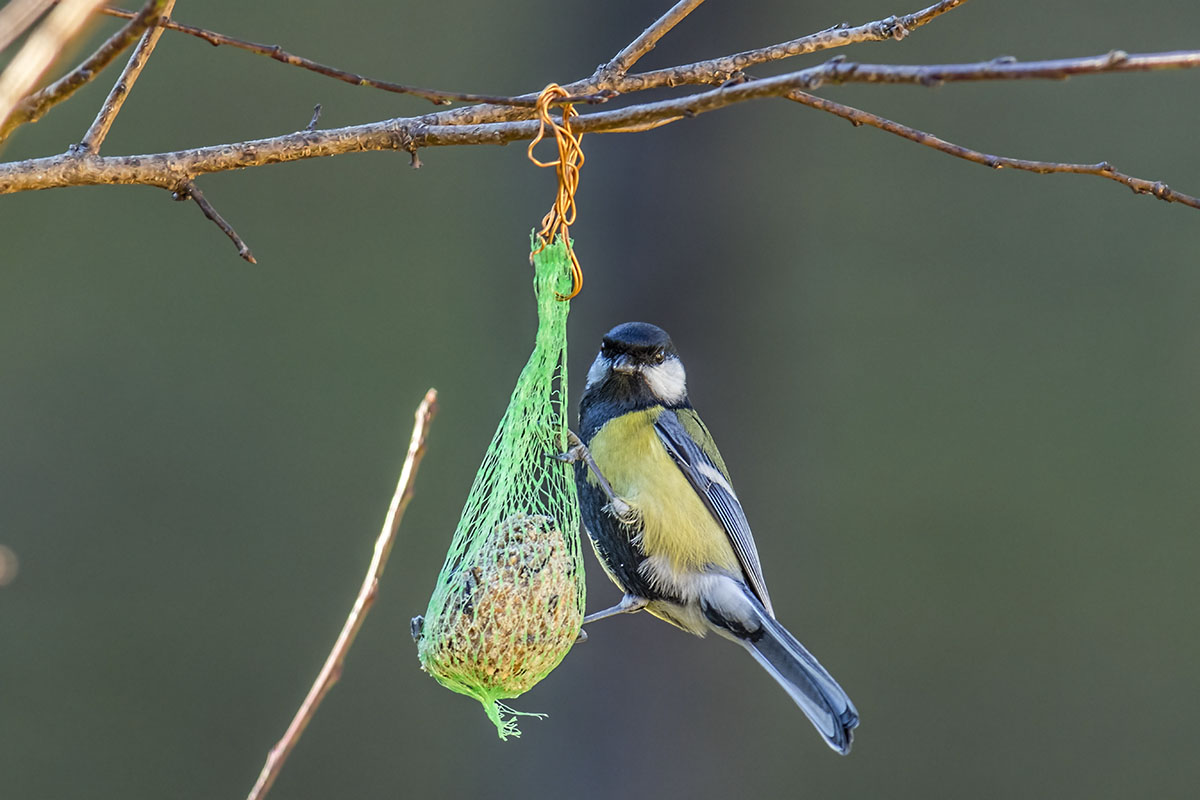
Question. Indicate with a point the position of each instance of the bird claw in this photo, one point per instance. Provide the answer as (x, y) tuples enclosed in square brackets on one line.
[(571, 456), (624, 513), (576, 452)]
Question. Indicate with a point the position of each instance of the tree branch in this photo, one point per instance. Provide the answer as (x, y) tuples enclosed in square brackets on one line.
[(643, 44), (1103, 169), (277, 53), (711, 71), (192, 191), (38, 53), (719, 70), (1004, 68), (600, 86), (18, 16), (33, 107), (175, 170), (332, 669), (116, 97)]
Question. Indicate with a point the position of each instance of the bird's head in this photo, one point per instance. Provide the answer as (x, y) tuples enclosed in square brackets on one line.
[(637, 359)]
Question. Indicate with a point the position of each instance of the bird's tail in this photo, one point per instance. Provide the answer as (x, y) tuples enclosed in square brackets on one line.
[(810, 686)]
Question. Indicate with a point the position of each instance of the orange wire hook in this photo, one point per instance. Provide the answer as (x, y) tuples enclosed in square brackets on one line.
[(561, 217)]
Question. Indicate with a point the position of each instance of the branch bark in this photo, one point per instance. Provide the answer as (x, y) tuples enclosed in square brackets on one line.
[(509, 119), (719, 70), (174, 170), (605, 83), (276, 53), (34, 106), (38, 53), (332, 669), (857, 117), (710, 71), (116, 97), (17, 17), (192, 192), (644, 43)]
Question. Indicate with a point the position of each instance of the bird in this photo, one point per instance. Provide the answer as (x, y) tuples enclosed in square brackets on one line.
[(667, 526)]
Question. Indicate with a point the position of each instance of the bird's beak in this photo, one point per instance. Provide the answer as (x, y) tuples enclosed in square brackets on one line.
[(625, 365)]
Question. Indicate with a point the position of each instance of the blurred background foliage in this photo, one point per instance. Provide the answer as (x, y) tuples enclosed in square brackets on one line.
[(959, 406)]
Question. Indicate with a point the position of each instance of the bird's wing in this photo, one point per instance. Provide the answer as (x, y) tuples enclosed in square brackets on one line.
[(679, 430)]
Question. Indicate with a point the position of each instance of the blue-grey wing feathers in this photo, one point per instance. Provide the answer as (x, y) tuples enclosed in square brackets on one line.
[(714, 488)]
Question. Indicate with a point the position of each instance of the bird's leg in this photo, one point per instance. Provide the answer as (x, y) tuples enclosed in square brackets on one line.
[(628, 605), (578, 451)]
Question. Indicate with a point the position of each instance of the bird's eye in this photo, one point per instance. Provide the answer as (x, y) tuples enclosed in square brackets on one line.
[(660, 357)]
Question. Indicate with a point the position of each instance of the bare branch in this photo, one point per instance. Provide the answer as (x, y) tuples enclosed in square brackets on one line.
[(1103, 169), (172, 170), (116, 97), (31, 108), (719, 70), (38, 53), (1002, 69), (332, 670), (643, 44), (18, 16), (192, 191), (274, 51), (600, 86), (712, 71)]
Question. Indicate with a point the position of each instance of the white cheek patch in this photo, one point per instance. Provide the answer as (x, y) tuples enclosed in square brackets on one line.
[(667, 380), (597, 372)]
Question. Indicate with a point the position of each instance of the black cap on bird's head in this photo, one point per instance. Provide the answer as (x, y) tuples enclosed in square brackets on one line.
[(637, 367), (638, 339)]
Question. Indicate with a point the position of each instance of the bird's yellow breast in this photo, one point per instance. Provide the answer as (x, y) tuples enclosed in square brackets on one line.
[(675, 522)]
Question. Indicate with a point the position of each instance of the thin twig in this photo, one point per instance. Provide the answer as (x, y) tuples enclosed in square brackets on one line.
[(719, 70), (1102, 169), (170, 170), (1005, 68), (837, 70), (601, 86), (36, 56), (274, 51), (332, 670), (18, 16), (643, 44), (714, 71), (33, 107), (116, 96), (190, 190)]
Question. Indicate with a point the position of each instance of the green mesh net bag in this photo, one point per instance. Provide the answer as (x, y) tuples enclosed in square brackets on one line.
[(508, 603)]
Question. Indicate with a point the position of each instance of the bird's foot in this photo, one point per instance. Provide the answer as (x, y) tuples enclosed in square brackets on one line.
[(622, 511), (578, 451)]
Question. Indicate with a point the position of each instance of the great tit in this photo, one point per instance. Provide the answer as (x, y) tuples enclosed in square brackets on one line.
[(667, 525)]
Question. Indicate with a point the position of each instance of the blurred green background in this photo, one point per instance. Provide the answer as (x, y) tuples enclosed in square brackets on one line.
[(960, 407)]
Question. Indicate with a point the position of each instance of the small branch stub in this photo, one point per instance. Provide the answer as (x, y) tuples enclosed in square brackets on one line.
[(190, 190), (316, 116)]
